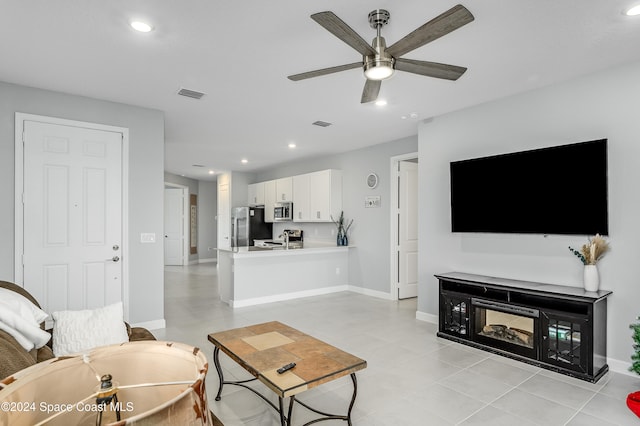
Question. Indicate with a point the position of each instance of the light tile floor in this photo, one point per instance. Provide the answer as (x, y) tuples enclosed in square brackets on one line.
[(412, 378)]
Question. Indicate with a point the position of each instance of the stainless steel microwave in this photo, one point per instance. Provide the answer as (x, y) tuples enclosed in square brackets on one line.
[(283, 211)]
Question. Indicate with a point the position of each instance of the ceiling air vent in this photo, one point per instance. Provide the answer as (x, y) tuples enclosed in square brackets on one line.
[(321, 123), (190, 93)]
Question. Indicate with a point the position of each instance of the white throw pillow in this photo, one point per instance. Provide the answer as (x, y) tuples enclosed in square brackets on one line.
[(22, 306), (80, 331)]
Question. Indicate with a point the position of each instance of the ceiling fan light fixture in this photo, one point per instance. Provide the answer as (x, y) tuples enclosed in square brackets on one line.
[(378, 69)]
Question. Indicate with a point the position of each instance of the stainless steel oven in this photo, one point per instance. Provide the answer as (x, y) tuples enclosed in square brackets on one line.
[(283, 211)]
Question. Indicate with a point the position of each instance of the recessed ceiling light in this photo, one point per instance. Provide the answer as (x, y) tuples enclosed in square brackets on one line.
[(381, 102), (211, 172), (292, 145), (143, 27), (633, 11), (244, 161)]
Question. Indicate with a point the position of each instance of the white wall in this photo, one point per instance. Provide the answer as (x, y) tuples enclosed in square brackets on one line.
[(602, 105), (370, 261), (146, 163)]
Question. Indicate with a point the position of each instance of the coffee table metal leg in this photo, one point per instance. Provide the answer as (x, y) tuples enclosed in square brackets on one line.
[(284, 421), (216, 362), (328, 416)]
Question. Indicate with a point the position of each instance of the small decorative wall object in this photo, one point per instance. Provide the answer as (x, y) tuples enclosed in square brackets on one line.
[(372, 180)]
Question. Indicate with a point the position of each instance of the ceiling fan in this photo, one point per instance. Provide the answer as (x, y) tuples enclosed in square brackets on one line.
[(379, 61)]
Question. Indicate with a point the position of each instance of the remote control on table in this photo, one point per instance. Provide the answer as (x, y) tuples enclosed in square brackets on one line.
[(286, 368)]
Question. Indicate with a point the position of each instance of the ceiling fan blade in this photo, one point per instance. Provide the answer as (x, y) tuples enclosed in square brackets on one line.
[(344, 32), (430, 69), (370, 91), (450, 20), (324, 71)]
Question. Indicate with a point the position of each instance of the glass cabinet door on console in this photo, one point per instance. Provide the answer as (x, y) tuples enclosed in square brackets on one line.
[(454, 314), (564, 341)]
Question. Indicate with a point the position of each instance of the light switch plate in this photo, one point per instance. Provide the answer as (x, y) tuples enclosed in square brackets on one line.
[(147, 237), (372, 201)]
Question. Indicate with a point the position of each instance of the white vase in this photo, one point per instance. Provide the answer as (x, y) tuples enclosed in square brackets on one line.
[(591, 278)]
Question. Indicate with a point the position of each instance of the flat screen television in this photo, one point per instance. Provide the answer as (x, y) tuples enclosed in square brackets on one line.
[(556, 190)]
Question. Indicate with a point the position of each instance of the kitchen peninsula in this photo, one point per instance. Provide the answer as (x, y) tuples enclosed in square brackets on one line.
[(254, 275)]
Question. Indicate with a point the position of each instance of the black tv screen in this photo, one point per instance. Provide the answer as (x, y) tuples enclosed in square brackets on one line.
[(557, 190)]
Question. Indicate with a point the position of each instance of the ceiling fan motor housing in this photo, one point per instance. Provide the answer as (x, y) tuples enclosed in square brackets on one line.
[(381, 65), (381, 60)]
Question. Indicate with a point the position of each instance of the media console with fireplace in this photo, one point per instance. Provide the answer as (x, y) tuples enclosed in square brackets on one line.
[(559, 328)]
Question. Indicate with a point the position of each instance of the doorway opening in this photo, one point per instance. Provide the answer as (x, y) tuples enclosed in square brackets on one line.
[(176, 225), (404, 226)]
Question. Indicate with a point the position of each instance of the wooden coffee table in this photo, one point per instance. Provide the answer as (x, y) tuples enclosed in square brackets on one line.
[(262, 349)]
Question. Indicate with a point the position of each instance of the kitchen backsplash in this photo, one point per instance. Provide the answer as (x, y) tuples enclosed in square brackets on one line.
[(322, 232)]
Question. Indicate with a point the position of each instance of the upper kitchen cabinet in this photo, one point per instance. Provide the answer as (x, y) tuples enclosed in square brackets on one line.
[(317, 196), (269, 199), (284, 189), (276, 191), (256, 194), (301, 212)]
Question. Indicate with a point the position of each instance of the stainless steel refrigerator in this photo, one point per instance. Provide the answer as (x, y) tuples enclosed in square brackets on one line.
[(247, 224)]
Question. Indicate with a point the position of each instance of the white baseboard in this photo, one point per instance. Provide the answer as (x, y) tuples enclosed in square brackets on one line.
[(209, 260), (621, 367), (372, 293), (423, 316), (286, 296), (151, 325)]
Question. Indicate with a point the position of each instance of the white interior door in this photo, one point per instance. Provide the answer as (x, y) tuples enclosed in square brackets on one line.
[(408, 230), (174, 218), (72, 215)]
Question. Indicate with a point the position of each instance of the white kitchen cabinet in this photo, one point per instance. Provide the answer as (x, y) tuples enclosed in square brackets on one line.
[(325, 195), (256, 194), (301, 212), (269, 199), (284, 189), (317, 196)]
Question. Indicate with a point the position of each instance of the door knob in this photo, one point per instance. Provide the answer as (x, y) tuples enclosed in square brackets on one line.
[(114, 259)]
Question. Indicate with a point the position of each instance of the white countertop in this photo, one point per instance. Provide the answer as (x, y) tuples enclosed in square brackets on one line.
[(310, 247)]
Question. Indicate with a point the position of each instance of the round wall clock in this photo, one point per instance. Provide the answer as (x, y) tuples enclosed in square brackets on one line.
[(372, 180)]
